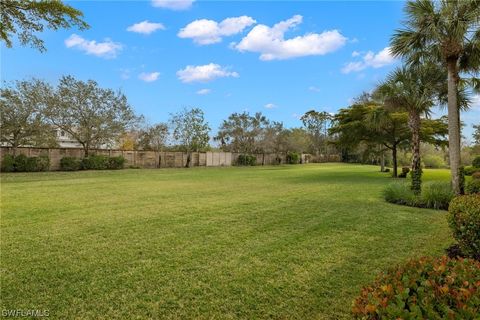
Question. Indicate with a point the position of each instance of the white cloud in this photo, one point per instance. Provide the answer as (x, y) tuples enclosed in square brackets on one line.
[(355, 54), (271, 44), (475, 101), (146, 27), (314, 89), (106, 49), (204, 73), (203, 92), (173, 4), (370, 59), (270, 106), (205, 31), (149, 76)]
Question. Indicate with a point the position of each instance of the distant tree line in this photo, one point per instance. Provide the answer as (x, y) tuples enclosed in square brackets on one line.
[(32, 110)]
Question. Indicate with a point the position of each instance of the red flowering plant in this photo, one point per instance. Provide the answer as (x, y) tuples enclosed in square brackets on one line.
[(425, 288)]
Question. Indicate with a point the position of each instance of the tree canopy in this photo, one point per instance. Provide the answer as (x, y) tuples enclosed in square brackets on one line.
[(25, 18), (90, 114)]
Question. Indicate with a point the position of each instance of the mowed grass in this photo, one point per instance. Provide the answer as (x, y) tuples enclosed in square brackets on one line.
[(286, 242)]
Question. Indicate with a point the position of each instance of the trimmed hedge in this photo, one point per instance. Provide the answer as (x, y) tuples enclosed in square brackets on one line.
[(246, 160), (70, 164), (93, 162), (22, 163), (473, 186), (293, 158), (425, 288), (464, 220)]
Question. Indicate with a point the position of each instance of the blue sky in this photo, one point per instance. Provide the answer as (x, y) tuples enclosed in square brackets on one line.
[(281, 58)]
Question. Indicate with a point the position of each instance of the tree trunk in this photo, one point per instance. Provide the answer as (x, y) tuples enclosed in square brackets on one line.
[(394, 160), (382, 162), (414, 124), (86, 150), (189, 158), (453, 125)]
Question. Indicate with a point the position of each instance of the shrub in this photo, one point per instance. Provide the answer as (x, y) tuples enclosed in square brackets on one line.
[(8, 163), (246, 160), (476, 175), (464, 220), (425, 288), (21, 163), (469, 170), (41, 163), (400, 193), (437, 195), (293, 158), (405, 171), (433, 161), (116, 162), (386, 170), (95, 162), (70, 164), (473, 186), (476, 162)]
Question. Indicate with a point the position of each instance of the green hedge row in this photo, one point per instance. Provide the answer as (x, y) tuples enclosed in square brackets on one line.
[(22, 163), (94, 162)]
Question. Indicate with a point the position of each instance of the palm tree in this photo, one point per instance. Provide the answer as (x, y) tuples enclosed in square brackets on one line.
[(447, 31), (413, 89)]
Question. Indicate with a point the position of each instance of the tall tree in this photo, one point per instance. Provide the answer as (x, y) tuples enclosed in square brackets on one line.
[(317, 123), (242, 132), (22, 120), (190, 131), (413, 89), (24, 18), (91, 115), (153, 137), (447, 31)]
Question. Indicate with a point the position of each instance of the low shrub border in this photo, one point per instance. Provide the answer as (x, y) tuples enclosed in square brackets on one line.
[(94, 162), (425, 288), (22, 163), (434, 195)]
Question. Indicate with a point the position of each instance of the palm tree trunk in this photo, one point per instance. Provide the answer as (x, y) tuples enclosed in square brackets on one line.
[(394, 159), (453, 125), (414, 124)]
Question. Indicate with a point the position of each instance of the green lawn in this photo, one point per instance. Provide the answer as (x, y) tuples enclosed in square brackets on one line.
[(289, 242)]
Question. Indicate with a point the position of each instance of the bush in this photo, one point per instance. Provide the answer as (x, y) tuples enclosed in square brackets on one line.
[(8, 163), (425, 288), (95, 162), (405, 171), (476, 162), (464, 220), (246, 160), (40, 163), (21, 163), (70, 164), (293, 158), (116, 162), (473, 186), (437, 195), (433, 161), (400, 193), (476, 175), (469, 170)]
